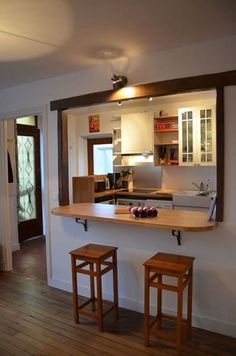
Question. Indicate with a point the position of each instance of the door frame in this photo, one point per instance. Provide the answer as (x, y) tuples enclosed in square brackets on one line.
[(5, 227), (28, 228), (90, 143)]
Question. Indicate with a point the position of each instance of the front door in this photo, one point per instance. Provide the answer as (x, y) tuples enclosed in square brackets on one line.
[(29, 182)]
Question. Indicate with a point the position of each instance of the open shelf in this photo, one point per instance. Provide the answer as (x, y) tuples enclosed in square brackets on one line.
[(167, 118), (166, 130)]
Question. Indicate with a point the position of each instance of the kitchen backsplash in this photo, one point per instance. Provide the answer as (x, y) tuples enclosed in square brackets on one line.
[(182, 177), (179, 178), (145, 177)]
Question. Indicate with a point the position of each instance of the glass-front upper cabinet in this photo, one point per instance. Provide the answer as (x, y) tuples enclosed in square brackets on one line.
[(197, 136)]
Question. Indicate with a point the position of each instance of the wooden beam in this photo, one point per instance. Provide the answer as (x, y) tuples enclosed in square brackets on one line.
[(220, 152), (166, 87), (63, 172)]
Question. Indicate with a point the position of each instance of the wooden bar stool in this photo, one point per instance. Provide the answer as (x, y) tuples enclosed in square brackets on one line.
[(94, 255), (180, 267)]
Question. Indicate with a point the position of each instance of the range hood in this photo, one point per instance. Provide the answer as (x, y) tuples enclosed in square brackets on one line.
[(137, 159)]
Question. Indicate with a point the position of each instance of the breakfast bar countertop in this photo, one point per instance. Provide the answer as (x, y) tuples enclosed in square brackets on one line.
[(179, 220)]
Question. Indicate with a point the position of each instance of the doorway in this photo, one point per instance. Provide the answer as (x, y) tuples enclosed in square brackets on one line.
[(99, 155), (9, 214), (30, 259)]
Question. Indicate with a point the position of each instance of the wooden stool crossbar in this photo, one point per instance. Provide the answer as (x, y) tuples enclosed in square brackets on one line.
[(180, 267), (97, 256)]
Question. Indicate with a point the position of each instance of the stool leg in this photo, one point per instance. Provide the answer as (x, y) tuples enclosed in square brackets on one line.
[(99, 296), (75, 290), (189, 307), (179, 316), (92, 290), (115, 284), (159, 303), (146, 306)]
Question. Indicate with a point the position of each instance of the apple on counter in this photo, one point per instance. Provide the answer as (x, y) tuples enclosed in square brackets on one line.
[(143, 212)]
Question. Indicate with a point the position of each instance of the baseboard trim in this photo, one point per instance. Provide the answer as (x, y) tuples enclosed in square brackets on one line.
[(203, 322), (2, 266), (15, 247)]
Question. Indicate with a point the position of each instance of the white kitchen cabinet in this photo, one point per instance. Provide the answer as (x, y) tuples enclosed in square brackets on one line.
[(137, 133), (116, 141), (197, 136)]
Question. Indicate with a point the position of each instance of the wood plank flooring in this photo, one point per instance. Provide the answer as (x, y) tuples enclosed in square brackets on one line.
[(30, 260), (37, 320)]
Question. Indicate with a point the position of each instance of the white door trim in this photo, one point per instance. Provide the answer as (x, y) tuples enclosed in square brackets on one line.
[(5, 236)]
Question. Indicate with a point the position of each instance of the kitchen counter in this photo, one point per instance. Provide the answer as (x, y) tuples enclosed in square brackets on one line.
[(106, 193), (154, 193), (167, 219)]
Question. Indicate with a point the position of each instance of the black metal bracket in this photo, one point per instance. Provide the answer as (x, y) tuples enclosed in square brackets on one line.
[(177, 234), (84, 223)]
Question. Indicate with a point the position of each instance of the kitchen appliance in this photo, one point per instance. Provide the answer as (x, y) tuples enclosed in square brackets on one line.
[(107, 199), (114, 180), (99, 185), (130, 201), (159, 204)]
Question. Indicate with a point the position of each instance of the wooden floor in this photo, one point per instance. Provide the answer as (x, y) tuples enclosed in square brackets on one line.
[(30, 260), (37, 320)]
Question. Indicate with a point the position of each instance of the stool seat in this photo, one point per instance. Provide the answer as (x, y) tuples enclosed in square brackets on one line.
[(94, 257), (169, 262), (170, 265), (93, 251)]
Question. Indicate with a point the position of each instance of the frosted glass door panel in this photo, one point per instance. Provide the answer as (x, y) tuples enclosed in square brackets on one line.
[(26, 178), (186, 136), (207, 136)]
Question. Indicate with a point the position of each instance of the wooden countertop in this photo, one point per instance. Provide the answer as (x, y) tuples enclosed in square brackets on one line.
[(167, 219), (106, 193), (152, 195)]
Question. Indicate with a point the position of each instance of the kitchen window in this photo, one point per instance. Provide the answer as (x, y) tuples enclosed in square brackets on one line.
[(100, 156)]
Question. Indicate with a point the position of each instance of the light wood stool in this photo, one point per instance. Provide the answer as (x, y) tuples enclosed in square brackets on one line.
[(94, 255), (181, 267)]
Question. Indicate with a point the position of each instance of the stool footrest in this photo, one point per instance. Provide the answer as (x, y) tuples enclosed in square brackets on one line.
[(166, 335), (163, 286), (109, 309), (85, 271), (82, 305), (93, 314), (172, 318)]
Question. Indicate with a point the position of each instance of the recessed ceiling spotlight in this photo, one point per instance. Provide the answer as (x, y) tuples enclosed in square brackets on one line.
[(119, 81), (150, 98), (119, 103)]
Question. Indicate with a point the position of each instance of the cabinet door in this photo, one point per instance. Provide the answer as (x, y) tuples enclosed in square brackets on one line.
[(137, 132), (206, 127), (197, 136), (187, 137)]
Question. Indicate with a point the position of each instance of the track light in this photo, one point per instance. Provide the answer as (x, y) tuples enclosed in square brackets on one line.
[(119, 81)]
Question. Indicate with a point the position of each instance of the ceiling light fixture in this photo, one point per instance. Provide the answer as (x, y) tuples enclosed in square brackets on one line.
[(119, 81), (150, 98), (119, 103)]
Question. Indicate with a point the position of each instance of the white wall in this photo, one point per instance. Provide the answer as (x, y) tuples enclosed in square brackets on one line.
[(214, 296)]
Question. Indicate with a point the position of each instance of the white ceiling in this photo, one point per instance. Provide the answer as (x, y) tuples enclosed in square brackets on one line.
[(47, 38)]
